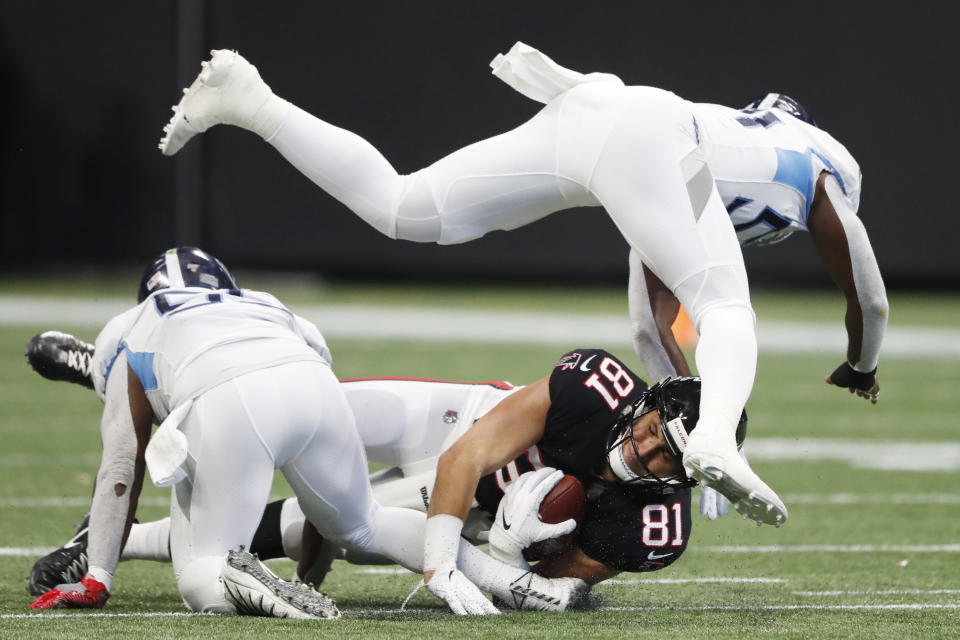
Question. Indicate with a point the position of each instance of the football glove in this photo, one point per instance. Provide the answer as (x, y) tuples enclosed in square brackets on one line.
[(863, 384), (713, 504), (462, 596), (518, 523), (89, 593)]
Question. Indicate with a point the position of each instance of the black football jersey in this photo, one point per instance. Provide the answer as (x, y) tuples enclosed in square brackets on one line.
[(623, 527)]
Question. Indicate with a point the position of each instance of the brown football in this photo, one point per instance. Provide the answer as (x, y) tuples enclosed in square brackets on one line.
[(566, 500)]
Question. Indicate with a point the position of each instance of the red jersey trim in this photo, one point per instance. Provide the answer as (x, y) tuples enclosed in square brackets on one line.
[(496, 385)]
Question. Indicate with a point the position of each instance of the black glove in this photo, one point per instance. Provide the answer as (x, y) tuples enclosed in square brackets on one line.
[(864, 385), (847, 376)]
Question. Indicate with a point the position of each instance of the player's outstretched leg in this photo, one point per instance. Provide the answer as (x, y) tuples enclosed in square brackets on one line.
[(256, 591), (228, 90)]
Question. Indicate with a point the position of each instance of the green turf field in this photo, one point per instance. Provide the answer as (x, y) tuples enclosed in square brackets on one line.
[(867, 552)]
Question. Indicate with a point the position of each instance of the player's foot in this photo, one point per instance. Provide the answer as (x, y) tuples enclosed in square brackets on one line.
[(60, 356), (256, 591), (531, 592), (228, 90), (65, 565), (716, 464)]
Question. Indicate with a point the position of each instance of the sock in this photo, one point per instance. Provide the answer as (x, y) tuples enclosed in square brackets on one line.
[(148, 541)]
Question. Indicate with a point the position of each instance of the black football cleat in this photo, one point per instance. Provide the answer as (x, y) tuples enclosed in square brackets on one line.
[(60, 356), (65, 565)]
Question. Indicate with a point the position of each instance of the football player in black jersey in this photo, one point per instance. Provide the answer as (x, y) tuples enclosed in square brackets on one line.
[(595, 419)]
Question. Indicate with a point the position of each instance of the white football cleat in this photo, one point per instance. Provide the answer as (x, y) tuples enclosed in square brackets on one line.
[(718, 465), (256, 591), (228, 90)]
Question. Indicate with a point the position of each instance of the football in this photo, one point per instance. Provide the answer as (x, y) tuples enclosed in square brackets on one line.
[(566, 500)]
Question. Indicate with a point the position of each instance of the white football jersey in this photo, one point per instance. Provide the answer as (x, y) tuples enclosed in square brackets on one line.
[(766, 164), (182, 342)]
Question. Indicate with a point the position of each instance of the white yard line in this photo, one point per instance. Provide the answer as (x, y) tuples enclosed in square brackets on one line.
[(833, 548), (100, 614), (883, 592), (871, 498), (863, 454), (25, 552), (693, 581), (471, 325), (795, 607)]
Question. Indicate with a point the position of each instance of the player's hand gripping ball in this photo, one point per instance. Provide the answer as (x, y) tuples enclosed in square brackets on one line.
[(565, 501), (518, 524)]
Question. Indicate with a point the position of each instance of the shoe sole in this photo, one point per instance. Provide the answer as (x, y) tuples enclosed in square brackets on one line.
[(748, 503), (179, 130), (256, 591)]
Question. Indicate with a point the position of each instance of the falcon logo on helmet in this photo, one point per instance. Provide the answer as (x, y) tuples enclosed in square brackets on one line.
[(678, 402), (184, 267)]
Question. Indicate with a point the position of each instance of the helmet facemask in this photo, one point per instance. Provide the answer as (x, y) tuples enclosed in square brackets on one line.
[(621, 433)]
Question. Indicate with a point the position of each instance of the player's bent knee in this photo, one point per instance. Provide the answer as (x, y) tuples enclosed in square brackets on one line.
[(200, 586)]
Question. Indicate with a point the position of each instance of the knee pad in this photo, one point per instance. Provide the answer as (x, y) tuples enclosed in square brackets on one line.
[(200, 586)]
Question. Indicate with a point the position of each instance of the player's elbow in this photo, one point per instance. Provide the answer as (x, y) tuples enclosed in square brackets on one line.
[(646, 339), (459, 461), (117, 473), (876, 305)]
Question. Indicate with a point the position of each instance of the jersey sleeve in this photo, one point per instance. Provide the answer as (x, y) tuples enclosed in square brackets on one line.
[(588, 390), (589, 382), (108, 345)]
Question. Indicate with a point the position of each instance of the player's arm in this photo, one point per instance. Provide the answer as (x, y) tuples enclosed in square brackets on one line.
[(124, 430), (574, 563), (653, 310), (842, 242), (510, 428)]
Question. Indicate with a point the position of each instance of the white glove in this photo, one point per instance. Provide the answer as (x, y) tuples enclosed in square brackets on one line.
[(440, 550), (518, 523), (462, 596), (712, 503)]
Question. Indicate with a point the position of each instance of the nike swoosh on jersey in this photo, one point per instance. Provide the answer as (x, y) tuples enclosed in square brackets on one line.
[(655, 556), (583, 367)]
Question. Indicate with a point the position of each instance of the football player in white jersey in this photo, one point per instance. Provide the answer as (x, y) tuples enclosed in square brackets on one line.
[(776, 173), (241, 386), (636, 151)]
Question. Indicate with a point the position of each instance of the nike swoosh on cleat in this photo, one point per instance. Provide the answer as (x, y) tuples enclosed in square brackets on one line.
[(583, 367)]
